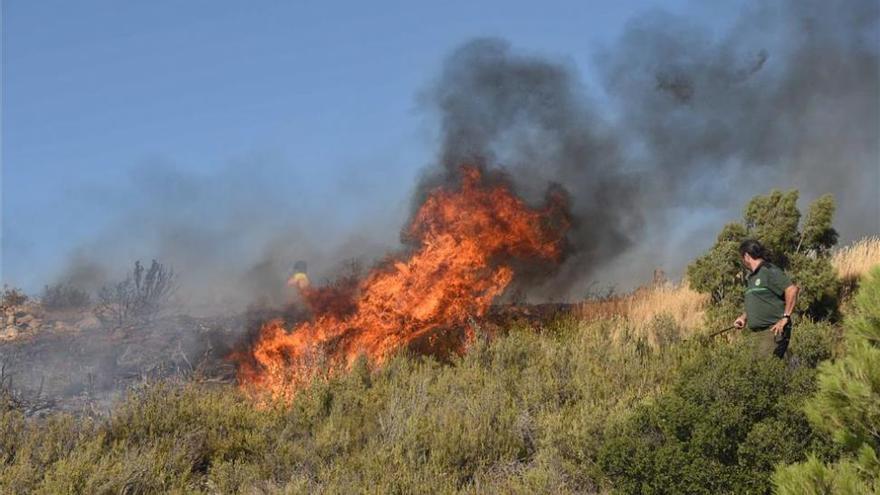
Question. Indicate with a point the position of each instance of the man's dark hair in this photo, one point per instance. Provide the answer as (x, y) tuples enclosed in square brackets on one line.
[(753, 248)]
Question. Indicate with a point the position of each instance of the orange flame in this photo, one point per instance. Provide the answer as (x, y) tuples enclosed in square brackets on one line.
[(466, 242)]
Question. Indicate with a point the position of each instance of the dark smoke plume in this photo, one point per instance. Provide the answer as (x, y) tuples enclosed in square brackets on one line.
[(787, 98), (530, 115)]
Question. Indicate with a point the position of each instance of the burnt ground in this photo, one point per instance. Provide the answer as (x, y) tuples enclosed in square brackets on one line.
[(82, 371)]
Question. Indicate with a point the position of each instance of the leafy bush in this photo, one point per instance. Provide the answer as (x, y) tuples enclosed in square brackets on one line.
[(64, 296), (141, 296), (773, 220), (846, 406), (721, 427)]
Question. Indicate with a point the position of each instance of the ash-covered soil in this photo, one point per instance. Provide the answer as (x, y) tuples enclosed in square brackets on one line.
[(70, 361)]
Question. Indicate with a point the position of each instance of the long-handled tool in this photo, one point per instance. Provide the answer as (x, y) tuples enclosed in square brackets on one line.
[(723, 330)]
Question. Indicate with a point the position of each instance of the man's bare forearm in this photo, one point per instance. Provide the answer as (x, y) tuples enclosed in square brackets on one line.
[(791, 295)]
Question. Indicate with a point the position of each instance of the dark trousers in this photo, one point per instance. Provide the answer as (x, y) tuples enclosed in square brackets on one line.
[(765, 343)]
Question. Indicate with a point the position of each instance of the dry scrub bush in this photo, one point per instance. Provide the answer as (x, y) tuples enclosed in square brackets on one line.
[(684, 305), (60, 297), (857, 259), (528, 412), (525, 412), (141, 297), (12, 297)]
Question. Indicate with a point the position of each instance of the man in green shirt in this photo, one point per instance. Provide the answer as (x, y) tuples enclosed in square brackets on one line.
[(770, 299)]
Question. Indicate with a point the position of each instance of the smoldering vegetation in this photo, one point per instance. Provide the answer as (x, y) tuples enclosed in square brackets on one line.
[(223, 244)]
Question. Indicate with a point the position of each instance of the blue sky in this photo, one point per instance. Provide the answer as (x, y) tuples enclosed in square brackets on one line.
[(95, 92)]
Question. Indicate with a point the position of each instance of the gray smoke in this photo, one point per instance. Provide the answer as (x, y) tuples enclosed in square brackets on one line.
[(789, 97), (231, 235), (690, 122)]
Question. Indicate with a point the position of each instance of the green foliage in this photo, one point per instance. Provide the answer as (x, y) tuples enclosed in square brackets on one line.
[(863, 326), (721, 427), (815, 477), (719, 273), (773, 220), (817, 232), (819, 285), (847, 407), (523, 414), (574, 408)]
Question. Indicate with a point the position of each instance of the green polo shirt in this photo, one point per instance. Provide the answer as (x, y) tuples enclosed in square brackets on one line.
[(765, 295)]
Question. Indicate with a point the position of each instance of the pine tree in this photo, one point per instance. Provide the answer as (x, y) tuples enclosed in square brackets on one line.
[(847, 407)]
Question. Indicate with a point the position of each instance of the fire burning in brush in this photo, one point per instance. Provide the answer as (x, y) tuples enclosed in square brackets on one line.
[(468, 241)]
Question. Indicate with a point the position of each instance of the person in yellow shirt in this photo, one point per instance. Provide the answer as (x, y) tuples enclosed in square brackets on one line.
[(298, 278)]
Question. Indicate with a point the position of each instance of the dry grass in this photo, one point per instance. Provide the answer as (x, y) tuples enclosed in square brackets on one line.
[(644, 310), (855, 260), (685, 305)]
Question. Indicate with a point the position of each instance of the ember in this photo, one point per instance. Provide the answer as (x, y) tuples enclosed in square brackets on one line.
[(468, 241)]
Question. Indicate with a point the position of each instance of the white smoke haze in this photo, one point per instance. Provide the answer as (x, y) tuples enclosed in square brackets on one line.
[(691, 125), (232, 236)]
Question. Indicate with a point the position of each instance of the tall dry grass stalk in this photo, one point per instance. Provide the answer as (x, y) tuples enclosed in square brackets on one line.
[(685, 305), (642, 311), (855, 260)]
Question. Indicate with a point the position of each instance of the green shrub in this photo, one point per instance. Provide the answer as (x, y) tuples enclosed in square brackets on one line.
[(846, 407), (573, 408), (721, 427), (524, 413)]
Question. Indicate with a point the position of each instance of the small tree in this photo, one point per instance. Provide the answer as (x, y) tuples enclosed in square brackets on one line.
[(847, 407), (773, 220), (141, 296)]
